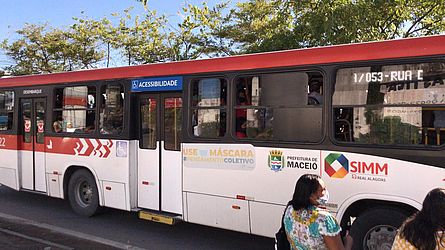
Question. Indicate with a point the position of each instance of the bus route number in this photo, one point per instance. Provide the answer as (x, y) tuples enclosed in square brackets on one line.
[(407, 75), (2, 142)]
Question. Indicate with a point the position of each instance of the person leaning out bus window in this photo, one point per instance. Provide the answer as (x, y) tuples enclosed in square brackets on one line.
[(307, 224), (425, 230)]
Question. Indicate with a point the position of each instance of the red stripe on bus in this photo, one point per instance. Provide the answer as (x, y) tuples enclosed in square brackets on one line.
[(8, 142), (60, 145)]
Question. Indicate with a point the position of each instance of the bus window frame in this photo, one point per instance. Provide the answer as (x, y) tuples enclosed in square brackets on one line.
[(53, 109), (124, 135), (191, 108), (13, 130), (321, 70), (333, 69)]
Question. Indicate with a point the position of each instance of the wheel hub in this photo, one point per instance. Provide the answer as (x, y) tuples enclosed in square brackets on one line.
[(380, 238), (85, 193)]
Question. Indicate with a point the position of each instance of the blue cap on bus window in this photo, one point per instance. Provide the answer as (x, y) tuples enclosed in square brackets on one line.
[(157, 84)]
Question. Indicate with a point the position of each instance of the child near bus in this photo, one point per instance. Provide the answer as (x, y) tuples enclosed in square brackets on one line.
[(425, 230)]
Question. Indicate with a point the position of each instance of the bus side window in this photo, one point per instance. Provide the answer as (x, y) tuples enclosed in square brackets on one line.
[(274, 106), (6, 109), (112, 109), (74, 109), (209, 107)]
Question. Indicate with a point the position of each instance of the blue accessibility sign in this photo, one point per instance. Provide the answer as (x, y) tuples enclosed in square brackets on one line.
[(157, 84)]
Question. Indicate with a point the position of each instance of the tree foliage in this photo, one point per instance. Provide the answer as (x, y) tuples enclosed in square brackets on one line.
[(261, 25), (199, 33), (38, 51), (90, 43), (203, 31), (140, 40)]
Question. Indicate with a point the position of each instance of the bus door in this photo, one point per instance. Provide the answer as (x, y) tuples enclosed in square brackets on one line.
[(159, 156), (32, 144)]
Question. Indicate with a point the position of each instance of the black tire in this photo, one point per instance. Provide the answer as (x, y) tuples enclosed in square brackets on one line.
[(375, 229), (83, 193)]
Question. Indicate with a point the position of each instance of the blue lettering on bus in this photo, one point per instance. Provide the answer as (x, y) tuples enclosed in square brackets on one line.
[(157, 84)]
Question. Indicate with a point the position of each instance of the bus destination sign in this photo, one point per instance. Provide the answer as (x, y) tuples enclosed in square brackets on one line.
[(157, 84)]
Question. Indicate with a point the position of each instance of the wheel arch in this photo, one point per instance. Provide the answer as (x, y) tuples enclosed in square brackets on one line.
[(70, 171), (355, 206)]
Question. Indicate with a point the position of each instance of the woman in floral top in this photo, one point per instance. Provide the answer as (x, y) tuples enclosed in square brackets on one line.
[(425, 230), (307, 225)]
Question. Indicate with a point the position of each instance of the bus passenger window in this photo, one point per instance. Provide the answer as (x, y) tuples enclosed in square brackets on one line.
[(374, 106), (209, 107), (111, 111), (74, 109), (6, 109), (271, 107)]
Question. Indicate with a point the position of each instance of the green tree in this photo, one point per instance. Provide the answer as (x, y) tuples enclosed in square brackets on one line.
[(84, 43), (200, 34), (261, 25), (141, 40), (42, 49), (38, 51)]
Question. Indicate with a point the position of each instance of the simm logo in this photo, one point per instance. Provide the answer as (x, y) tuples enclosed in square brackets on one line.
[(338, 166)]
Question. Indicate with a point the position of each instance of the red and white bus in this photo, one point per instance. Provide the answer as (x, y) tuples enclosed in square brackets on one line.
[(221, 142)]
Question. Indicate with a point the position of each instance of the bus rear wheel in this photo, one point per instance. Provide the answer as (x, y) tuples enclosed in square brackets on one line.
[(376, 228), (83, 194)]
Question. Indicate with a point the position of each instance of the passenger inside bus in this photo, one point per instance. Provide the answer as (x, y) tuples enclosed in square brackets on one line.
[(58, 124), (343, 124), (315, 96), (241, 114), (433, 126), (241, 127)]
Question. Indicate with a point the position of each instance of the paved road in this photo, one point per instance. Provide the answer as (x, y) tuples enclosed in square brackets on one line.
[(17, 233), (117, 228)]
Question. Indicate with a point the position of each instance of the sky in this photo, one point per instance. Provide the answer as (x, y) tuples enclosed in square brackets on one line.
[(59, 13)]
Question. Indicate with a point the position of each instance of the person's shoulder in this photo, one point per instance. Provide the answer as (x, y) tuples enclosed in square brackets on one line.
[(401, 243), (323, 212), (327, 223), (289, 209)]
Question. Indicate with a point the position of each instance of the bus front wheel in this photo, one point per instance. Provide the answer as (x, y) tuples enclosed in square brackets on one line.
[(376, 228), (83, 194)]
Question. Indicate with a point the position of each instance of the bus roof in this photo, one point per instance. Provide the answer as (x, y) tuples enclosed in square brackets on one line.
[(401, 48)]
